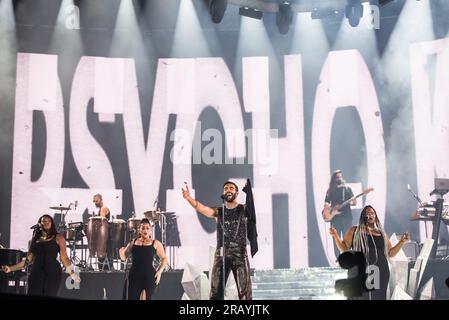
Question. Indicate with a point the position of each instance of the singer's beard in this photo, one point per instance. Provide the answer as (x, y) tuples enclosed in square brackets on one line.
[(230, 197)]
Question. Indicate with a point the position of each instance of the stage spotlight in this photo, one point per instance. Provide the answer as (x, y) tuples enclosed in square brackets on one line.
[(354, 12), (251, 13), (327, 14), (384, 2), (284, 17), (217, 9)]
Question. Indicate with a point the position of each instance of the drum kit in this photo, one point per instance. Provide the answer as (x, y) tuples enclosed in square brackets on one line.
[(105, 238)]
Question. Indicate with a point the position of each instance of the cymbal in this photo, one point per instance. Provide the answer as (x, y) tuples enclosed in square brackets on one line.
[(156, 215), (161, 212), (153, 215), (60, 208)]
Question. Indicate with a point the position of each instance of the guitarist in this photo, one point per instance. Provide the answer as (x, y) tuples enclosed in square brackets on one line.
[(338, 193)]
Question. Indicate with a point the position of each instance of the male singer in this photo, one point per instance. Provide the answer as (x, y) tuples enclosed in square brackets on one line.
[(239, 223)]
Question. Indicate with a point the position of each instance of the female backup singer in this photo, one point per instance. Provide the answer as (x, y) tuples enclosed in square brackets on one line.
[(370, 238), (46, 272), (143, 275)]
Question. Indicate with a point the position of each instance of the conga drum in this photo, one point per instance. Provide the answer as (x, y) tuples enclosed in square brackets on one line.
[(117, 231), (97, 236), (132, 228)]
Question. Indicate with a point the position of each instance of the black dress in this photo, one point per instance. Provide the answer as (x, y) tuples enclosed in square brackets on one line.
[(46, 272), (141, 275), (377, 257)]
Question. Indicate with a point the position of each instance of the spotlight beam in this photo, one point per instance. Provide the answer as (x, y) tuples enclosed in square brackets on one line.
[(272, 7)]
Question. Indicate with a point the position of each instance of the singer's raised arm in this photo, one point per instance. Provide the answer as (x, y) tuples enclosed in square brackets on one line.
[(125, 252), (198, 206)]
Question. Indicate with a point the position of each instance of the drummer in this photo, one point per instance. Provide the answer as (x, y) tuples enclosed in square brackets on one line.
[(105, 213), (103, 210)]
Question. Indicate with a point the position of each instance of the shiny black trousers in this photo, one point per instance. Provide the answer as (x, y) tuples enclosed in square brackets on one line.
[(236, 260)]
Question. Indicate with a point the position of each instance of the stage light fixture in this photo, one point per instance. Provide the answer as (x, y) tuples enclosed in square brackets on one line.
[(384, 2), (354, 12), (217, 9), (284, 17), (251, 13), (327, 14)]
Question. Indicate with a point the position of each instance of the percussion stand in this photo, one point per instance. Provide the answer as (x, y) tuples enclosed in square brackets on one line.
[(73, 253), (425, 227), (172, 256), (89, 263), (75, 260), (164, 239), (83, 262), (84, 253), (437, 222), (104, 263)]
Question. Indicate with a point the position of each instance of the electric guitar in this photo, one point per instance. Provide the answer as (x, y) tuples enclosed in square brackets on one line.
[(329, 213)]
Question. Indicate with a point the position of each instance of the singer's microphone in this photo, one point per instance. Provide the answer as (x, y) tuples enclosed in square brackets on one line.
[(223, 196), (36, 226)]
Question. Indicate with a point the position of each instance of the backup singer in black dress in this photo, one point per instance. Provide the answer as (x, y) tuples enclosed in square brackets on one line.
[(370, 238), (46, 272), (143, 275)]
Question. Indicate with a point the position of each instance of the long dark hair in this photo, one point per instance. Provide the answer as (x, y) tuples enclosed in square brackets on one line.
[(144, 220), (333, 182), (52, 232), (360, 240)]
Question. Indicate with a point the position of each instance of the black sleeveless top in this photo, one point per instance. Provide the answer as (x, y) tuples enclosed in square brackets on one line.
[(142, 258), (376, 246), (45, 254), (377, 257), (108, 216), (234, 227)]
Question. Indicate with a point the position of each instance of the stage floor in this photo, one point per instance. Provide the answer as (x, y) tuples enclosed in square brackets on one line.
[(111, 285)]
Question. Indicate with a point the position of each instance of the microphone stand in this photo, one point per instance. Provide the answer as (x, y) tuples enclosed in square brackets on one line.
[(419, 202), (223, 206), (415, 196)]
